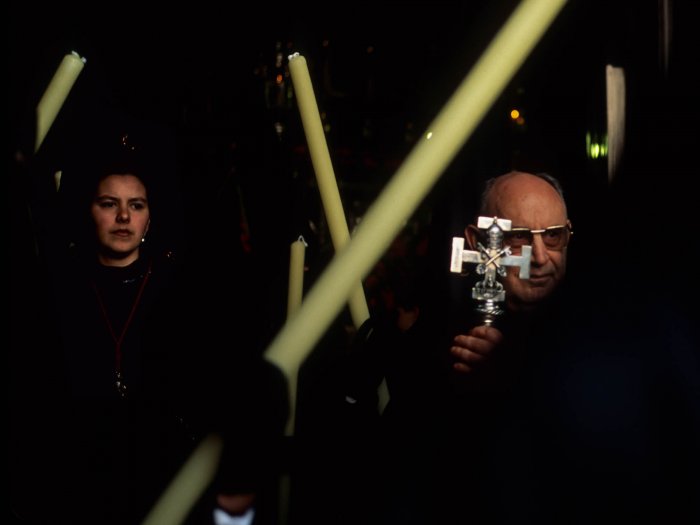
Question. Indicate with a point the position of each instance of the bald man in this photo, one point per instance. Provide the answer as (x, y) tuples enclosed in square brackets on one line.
[(536, 208), (577, 405)]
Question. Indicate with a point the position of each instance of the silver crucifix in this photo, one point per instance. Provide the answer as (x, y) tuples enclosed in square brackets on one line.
[(491, 260)]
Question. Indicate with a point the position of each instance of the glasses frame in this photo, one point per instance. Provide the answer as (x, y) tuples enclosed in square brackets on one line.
[(567, 226)]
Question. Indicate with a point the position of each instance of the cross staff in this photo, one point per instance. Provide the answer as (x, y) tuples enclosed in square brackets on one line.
[(491, 260)]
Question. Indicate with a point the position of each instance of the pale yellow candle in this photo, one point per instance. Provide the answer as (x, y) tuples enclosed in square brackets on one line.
[(296, 289), (296, 276), (325, 177), (409, 185), (189, 484), (55, 95)]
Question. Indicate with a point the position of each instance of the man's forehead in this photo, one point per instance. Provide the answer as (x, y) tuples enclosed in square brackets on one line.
[(531, 210), (523, 192)]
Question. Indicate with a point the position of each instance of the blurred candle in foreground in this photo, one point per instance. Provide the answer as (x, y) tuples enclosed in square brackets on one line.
[(188, 485), (55, 95), (296, 289), (296, 275)]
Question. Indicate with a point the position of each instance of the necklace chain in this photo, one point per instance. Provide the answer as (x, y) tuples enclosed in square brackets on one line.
[(119, 378)]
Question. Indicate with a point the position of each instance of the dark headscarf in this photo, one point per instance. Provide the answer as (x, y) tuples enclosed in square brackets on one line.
[(121, 145)]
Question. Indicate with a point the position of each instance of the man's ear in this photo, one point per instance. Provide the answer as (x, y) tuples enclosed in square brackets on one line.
[(471, 233)]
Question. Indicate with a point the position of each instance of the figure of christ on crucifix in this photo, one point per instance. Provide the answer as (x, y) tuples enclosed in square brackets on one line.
[(491, 260)]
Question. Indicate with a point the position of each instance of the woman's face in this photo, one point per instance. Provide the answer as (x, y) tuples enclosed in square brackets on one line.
[(121, 214)]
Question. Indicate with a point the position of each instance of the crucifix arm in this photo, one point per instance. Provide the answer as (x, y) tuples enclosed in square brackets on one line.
[(522, 261)]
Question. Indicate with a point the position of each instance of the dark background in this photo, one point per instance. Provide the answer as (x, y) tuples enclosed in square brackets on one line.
[(205, 74), (381, 73)]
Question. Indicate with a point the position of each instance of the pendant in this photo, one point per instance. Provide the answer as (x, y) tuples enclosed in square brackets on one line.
[(121, 386)]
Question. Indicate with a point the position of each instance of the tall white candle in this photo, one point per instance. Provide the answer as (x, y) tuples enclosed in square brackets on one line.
[(325, 177), (409, 185), (55, 95)]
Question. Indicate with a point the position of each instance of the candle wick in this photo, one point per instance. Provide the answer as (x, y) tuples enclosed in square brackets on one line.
[(77, 55)]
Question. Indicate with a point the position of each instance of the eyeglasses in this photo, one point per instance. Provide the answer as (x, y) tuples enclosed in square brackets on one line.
[(555, 238)]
